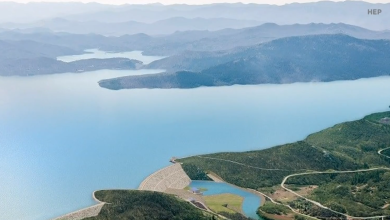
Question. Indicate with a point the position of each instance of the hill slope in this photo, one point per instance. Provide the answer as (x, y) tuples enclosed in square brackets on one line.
[(145, 205), (184, 41), (286, 60), (346, 146)]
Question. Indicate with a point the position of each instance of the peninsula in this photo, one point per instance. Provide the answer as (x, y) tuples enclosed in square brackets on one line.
[(342, 172), (310, 58)]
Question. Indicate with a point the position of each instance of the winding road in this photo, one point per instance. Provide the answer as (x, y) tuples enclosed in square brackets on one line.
[(309, 173), (329, 172), (242, 164), (380, 152)]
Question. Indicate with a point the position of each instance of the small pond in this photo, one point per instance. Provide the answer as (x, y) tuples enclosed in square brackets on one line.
[(251, 200)]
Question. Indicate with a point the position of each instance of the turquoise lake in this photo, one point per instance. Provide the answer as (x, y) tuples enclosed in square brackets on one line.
[(62, 136), (251, 201)]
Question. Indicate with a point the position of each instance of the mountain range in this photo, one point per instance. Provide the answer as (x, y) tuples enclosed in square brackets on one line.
[(349, 12), (285, 60), (268, 53), (184, 41), (161, 27)]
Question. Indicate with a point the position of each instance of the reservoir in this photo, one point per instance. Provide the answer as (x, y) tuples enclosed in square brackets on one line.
[(251, 201), (63, 137)]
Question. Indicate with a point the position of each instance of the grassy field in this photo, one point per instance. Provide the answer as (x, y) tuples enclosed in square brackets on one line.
[(224, 203)]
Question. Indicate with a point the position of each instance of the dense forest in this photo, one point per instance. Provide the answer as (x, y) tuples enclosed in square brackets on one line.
[(194, 172), (386, 152), (145, 205), (355, 194)]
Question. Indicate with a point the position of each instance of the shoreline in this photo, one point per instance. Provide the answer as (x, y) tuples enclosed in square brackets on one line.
[(94, 210), (252, 191)]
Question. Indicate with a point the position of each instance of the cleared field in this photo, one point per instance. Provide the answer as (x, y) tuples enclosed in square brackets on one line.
[(224, 203)]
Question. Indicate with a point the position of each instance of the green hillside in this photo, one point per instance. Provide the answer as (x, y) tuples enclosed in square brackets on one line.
[(356, 194), (346, 146), (145, 205)]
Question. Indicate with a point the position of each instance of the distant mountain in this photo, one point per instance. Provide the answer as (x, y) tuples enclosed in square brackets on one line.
[(231, 38), (28, 49), (35, 11), (26, 58), (184, 41), (286, 60), (192, 51), (74, 41), (349, 12), (162, 27)]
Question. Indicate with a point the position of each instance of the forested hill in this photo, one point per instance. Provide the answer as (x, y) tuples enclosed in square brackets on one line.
[(342, 167), (286, 60), (145, 205), (346, 146)]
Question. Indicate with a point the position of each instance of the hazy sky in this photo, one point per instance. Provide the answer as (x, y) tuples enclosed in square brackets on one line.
[(278, 2)]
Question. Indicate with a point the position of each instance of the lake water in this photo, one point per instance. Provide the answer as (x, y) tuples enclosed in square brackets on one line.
[(95, 53), (251, 201), (62, 136)]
